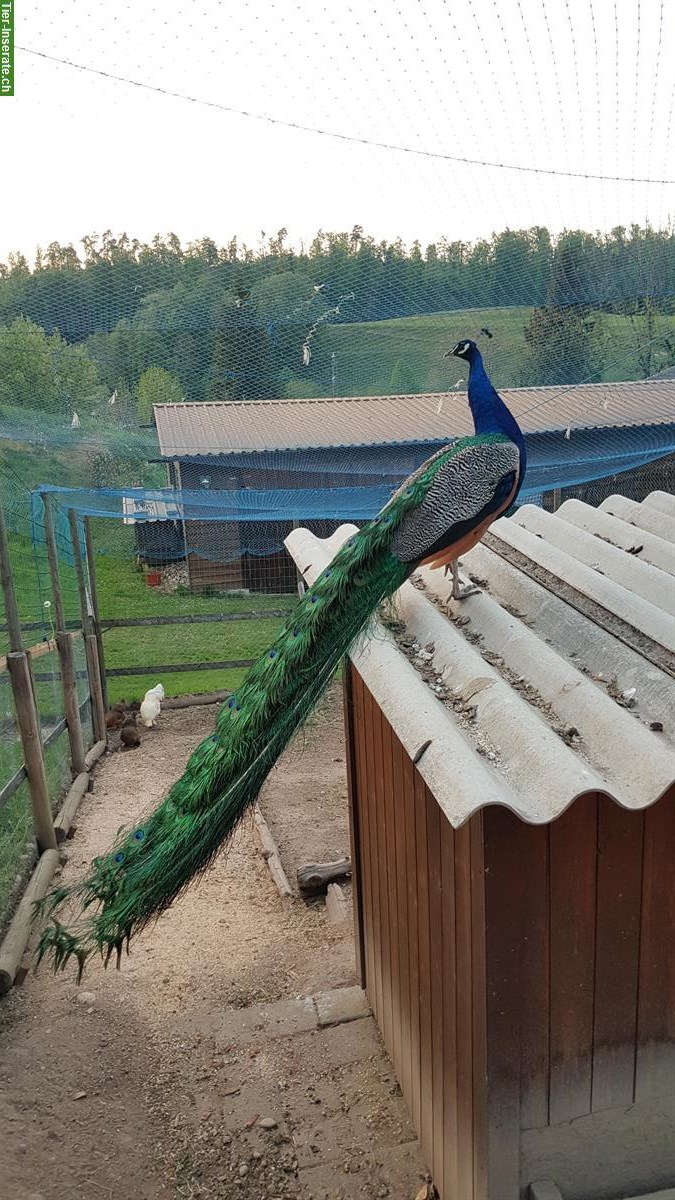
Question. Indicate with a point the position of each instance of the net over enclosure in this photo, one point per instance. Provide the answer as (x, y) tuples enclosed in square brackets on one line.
[(497, 171)]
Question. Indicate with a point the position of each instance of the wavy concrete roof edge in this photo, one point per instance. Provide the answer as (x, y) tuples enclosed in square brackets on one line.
[(609, 756)]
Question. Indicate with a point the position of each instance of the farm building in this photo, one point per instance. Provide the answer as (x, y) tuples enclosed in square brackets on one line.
[(317, 462), (511, 766)]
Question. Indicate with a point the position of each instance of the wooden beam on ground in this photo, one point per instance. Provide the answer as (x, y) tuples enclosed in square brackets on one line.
[(337, 909), (315, 877), (16, 938), (70, 805), (30, 732), (271, 854), (197, 699), (94, 754)]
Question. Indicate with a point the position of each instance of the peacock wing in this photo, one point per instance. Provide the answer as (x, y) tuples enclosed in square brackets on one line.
[(468, 486)]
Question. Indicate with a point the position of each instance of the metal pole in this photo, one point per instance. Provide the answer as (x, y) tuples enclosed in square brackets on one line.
[(87, 623), (53, 558), (93, 590), (93, 671)]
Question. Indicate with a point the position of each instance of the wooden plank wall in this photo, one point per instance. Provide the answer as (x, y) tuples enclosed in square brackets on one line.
[(575, 919), (422, 949), (522, 976)]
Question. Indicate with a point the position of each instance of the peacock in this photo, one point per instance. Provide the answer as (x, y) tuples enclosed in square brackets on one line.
[(439, 513)]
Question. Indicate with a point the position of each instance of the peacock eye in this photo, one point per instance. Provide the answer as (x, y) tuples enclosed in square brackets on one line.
[(119, 858), (139, 835)]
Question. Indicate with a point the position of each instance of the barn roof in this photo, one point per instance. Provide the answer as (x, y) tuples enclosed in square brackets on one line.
[(234, 427), (556, 680)]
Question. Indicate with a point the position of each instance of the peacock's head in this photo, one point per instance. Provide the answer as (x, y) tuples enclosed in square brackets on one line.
[(464, 349)]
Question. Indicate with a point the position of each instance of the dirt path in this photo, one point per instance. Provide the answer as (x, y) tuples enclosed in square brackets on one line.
[(305, 799), (123, 1087)]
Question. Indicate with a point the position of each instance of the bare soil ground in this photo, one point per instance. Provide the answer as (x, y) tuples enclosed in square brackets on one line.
[(305, 798), (134, 1085)]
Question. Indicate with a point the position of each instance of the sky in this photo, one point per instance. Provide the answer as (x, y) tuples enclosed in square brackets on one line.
[(579, 87)]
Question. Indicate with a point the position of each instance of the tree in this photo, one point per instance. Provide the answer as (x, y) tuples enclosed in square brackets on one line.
[(156, 386), (243, 365), (654, 347), (42, 372), (564, 345)]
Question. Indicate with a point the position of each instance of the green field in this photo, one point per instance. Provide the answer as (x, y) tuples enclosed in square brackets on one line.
[(406, 355)]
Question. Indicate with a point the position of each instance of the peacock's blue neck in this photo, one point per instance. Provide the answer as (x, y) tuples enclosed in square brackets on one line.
[(489, 412)]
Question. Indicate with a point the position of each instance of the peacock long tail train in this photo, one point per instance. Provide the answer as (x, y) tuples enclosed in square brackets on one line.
[(452, 497)]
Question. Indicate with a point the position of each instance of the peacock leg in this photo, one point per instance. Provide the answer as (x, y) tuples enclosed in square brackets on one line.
[(459, 592)]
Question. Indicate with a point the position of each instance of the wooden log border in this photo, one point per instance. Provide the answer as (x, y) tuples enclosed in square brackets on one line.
[(13, 945), (16, 939), (271, 855)]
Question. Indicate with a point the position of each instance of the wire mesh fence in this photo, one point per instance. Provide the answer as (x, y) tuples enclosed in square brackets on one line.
[(26, 571), (194, 398)]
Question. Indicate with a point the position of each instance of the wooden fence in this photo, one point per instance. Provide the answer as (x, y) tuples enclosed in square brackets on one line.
[(35, 739), (156, 621)]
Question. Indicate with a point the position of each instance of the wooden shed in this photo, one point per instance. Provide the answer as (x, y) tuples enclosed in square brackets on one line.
[(511, 771), (313, 447)]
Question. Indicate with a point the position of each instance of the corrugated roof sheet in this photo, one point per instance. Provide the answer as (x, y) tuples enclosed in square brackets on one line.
[(227, 427), (557, 679)]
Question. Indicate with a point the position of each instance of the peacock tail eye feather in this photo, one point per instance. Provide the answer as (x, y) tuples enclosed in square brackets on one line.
[(139, 835), (119, 857)]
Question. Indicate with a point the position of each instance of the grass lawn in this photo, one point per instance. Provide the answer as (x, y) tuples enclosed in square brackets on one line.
[(367, 353), (123, 593)]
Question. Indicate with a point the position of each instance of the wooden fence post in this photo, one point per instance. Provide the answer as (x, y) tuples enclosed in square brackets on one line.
[(31, 741), (64, 643), (93, 588), (28, 720), (91, 649)]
